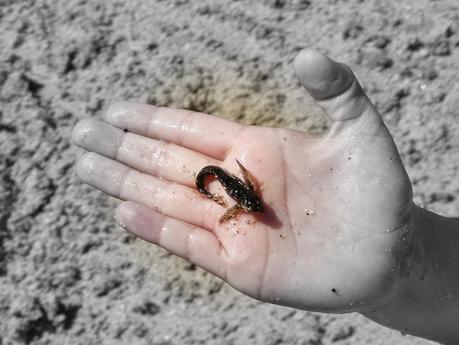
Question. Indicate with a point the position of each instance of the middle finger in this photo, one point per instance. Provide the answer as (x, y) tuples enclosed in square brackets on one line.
[(155, 157)]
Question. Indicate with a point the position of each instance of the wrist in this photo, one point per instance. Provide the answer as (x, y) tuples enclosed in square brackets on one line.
[(426, 301)]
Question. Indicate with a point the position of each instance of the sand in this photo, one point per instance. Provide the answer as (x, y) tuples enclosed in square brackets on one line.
[(67, 275)]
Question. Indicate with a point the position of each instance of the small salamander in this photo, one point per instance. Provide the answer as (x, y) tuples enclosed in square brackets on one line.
[(242, 192)]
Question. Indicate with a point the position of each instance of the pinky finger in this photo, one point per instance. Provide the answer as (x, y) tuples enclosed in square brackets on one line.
[(192, 243)]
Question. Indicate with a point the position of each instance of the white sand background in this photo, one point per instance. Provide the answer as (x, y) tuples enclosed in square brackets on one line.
[(67, 275)]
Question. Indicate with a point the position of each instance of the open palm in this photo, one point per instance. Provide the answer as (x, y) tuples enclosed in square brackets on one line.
[(331, 236)]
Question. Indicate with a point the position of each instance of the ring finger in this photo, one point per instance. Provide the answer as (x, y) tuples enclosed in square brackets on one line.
[(171, 199)]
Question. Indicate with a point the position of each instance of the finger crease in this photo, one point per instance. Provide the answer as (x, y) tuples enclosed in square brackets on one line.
[(189, 244), (184, 128), (156, 157), (209, 217), (236, 138), (149, 129), (118, 149), (163, 229), (123, 183), (158, 198)]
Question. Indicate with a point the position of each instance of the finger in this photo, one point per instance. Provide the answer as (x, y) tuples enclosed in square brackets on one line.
[(185, 240), (170, 199), (335, 88), (200, 132), (156, 157)]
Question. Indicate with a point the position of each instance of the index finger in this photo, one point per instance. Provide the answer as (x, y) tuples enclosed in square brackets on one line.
[(203, 133)]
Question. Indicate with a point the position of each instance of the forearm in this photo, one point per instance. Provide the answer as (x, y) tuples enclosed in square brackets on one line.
[(427, 300)]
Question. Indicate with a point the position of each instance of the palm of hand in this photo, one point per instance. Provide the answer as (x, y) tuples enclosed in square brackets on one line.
[(336, 205)]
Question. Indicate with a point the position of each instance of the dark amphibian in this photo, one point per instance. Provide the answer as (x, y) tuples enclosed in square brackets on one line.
[(243, 192)]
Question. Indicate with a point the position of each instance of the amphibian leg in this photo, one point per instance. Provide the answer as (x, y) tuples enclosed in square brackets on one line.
[(230, 213), (248, 177), (218, 199)]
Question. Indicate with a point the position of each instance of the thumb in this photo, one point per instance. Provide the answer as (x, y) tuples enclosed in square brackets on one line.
[(334, 87)]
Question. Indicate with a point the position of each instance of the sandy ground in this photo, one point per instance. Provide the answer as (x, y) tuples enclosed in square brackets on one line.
[(67, 275)]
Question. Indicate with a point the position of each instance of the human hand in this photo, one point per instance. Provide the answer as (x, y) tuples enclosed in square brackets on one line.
[(338, 206)]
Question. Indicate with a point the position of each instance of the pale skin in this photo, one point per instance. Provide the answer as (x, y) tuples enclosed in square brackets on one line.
[(340, 232)]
